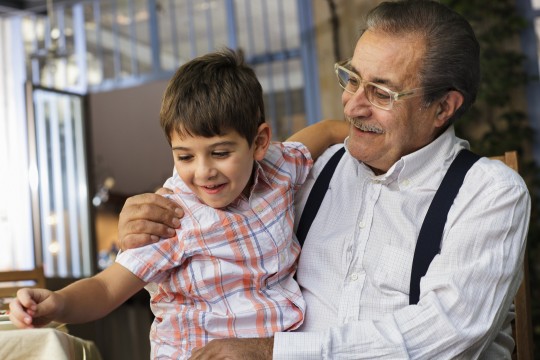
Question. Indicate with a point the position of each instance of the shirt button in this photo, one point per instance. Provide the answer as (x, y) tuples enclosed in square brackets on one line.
[(406, 182), (362, 224), (354, 276)]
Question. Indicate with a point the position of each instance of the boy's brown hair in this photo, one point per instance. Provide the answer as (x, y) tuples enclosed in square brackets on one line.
[(211, 95)]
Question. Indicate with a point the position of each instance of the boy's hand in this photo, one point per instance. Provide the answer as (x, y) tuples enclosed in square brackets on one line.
[(33, 308), (146, 218)]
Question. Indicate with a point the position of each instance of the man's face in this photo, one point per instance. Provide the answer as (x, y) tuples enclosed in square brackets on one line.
[(379, 137)]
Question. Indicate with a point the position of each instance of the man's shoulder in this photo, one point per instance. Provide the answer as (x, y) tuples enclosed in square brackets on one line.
[(495, 172), (489, 177), (321, 162)]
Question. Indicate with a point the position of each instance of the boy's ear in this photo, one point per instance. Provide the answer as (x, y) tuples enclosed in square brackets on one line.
[(262, 141)]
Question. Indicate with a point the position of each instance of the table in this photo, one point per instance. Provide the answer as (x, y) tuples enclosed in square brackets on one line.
[(45, 344)]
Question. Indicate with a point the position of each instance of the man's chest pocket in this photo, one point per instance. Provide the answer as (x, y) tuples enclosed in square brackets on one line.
[(393, 274)]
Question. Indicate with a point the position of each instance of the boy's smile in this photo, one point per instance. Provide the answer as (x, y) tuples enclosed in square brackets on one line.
[(217, 169)]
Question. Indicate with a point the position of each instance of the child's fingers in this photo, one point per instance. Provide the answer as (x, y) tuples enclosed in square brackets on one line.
[(18, 315), (44, 311), (26, 298), (31, 308)]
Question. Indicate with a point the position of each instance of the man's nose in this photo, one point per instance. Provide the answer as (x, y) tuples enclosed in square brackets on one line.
[(355, 104)]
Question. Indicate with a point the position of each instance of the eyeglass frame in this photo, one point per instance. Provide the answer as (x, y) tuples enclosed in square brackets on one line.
[(394, 96)]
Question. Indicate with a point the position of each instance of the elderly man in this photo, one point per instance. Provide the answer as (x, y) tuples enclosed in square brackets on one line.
[(414, 71)]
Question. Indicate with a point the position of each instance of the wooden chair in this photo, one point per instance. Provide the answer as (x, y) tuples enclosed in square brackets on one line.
[(522, 327), (11, 281)]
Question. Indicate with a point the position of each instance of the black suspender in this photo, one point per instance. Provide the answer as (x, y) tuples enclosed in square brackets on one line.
[(316, 196), (429, 239)]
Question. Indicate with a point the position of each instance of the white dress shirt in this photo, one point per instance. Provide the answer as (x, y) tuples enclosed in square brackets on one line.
[(355, 264)]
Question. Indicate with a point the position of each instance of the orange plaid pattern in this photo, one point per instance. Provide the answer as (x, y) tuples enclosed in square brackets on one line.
[(227, 273)]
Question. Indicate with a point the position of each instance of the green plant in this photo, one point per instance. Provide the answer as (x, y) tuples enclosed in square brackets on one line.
[(497, 122)]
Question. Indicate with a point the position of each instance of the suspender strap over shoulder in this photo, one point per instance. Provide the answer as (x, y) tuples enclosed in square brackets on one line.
[(316, 196), (429, 239)]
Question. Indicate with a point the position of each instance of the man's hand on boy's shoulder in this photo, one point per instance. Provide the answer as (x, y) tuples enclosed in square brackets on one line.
[(146, 218), (238, 349)]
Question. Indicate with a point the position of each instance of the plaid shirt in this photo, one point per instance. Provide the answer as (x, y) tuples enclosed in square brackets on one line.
[(227, 273)]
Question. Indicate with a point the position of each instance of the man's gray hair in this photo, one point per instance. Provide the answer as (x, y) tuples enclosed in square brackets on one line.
[(452, 59)]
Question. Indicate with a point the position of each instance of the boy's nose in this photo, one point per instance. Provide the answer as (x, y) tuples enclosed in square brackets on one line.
[(206, 171)]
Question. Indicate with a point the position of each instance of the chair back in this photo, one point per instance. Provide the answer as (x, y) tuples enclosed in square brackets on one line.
[(11, 281), (522, 327)]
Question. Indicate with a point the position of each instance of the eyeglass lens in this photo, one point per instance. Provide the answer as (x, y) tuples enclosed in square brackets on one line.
[(375, 95)]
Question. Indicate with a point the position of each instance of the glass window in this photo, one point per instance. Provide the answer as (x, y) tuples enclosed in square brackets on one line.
[(64, 214), (17, 247)]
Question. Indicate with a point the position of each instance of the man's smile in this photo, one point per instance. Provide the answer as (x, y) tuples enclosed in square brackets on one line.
[(363, 126)]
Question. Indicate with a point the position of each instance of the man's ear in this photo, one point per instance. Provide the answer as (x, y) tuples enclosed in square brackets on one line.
[(262, 141), (448, 107)]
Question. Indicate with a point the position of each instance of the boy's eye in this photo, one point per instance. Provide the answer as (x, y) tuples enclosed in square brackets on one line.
[(220, 154), (184, 158)]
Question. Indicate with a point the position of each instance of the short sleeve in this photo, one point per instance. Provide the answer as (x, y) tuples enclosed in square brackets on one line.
[(152, 263), (297, 161)]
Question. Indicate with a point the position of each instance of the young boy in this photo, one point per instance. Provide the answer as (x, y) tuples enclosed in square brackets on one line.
[(229, 270)]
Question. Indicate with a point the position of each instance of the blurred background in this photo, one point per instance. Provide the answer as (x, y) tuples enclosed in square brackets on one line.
[(80, 90)]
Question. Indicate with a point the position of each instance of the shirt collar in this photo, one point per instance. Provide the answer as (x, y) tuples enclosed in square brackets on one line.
[(429, 164), (259, 180), (419, 166)]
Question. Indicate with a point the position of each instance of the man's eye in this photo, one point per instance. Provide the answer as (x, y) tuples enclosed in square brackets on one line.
[(379, 93), (353, 82), (220, 154)]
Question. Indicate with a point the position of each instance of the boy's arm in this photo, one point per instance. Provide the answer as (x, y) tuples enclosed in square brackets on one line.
[(318, 137), (83, 301), (93, 298)]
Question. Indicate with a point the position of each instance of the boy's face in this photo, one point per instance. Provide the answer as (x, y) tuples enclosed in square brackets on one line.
[(217, 169)]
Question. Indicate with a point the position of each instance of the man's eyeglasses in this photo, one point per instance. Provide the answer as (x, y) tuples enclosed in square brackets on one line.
[(378, 95)]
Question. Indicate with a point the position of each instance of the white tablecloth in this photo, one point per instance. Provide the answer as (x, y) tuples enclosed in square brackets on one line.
[(45, 344)]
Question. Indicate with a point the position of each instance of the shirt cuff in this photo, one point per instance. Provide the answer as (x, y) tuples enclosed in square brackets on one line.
[(299, 345)]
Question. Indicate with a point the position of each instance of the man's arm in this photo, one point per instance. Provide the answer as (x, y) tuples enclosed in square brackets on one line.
[(319, 136), (223, 349)]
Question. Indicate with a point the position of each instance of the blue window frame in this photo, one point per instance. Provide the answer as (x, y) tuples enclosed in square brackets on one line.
[(112, 44)]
